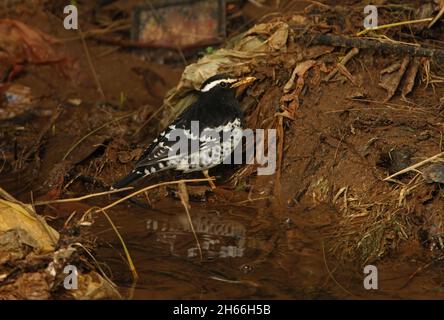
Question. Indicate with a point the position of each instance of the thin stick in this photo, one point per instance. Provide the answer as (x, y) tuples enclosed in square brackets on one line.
[(93, 32), (412, 167), (91, 65), (391, 25), (41, 203), (78, 244), (438, 16), (419, 270), (349, 42), (184, 198), (94, 131)]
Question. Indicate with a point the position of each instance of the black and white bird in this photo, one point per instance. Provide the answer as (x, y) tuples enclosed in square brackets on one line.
[(216, 113)]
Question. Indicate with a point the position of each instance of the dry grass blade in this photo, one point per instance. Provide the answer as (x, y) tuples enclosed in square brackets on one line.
[(78, 244), (331, 275), (125, 249), (184, 198), (391, 25), (438, 16), (93, 195), (91, 64)]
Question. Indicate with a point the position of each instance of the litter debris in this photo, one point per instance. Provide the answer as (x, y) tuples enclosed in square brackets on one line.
[(179, 24)]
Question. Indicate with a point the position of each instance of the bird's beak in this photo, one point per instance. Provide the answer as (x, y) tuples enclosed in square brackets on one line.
[(242, 81)]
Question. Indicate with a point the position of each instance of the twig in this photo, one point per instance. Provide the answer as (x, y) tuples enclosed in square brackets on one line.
[(91, 65), (349, 42), (412, 167), (391, 25), (152, 187), (95, 32), (419, 270), (41, 203), (65, 225), (437, 17)]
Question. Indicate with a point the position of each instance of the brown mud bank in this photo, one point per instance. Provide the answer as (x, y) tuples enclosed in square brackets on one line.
[(349, 112)]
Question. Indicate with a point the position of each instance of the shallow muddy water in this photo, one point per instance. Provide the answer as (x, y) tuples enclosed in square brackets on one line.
[(243, 256), (168, 259)]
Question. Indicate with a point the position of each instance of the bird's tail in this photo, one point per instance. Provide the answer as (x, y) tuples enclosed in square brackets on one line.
[(133, 176)]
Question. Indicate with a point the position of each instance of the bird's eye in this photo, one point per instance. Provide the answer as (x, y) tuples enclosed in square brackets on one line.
[(223, 84)]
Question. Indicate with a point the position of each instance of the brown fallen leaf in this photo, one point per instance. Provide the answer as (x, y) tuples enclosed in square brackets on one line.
[(16, 215), (344, 71), (299, 71)]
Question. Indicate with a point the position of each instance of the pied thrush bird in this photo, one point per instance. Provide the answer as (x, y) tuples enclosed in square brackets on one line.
[(216, 110)]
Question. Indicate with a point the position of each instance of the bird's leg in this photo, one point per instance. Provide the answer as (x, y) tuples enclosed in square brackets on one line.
[(210, 182)]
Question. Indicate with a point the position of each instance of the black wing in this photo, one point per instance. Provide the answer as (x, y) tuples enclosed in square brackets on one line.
[(158, 150)]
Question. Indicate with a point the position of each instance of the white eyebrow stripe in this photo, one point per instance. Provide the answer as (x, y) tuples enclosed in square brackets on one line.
[(214, 83)]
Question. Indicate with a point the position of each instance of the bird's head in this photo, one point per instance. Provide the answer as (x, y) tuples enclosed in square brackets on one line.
[(223, 83)]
